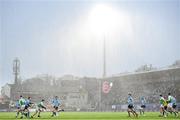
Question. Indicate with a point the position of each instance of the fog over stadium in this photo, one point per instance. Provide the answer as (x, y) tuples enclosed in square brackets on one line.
[(59, 37)]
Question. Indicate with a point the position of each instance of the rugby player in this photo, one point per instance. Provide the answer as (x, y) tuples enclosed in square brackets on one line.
[(131, 106), (18, 108), (39, 108), (163, 106), (22, 105), (28, 104), (143, 105), (171, 104), (55, 105)]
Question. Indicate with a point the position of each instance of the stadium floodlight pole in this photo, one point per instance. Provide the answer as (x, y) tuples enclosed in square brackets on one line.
[(100, 89), (102, 19), (104, 57), (104, 73)]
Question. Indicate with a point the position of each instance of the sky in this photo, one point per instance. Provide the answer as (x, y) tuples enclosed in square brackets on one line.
[(59, 37)]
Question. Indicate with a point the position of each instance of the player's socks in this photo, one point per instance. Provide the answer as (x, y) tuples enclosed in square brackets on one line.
[(17, 114), (129, 115), (53, 114), (163, 113), (25, 114), (57, 114), (166, 113), (28, 114), (176, 114)]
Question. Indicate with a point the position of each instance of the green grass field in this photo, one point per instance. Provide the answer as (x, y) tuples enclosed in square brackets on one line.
[(90, 116)]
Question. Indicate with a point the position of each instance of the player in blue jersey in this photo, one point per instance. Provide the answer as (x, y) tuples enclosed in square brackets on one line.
[(174, 105), (55, 104), (28, 104), (143, 105), (131, 109)]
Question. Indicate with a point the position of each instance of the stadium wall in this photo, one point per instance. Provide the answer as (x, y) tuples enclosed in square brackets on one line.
[(87, 93), (149, 84)]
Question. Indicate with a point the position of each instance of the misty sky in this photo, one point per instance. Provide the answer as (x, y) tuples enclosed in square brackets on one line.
[(55, 37)]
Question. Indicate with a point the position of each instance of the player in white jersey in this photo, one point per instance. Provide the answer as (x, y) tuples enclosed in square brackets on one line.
[(171, 100), (39, 108)]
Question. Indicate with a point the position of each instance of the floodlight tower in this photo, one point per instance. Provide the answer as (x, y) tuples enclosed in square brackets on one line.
[(104, 58), (16, 70)]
